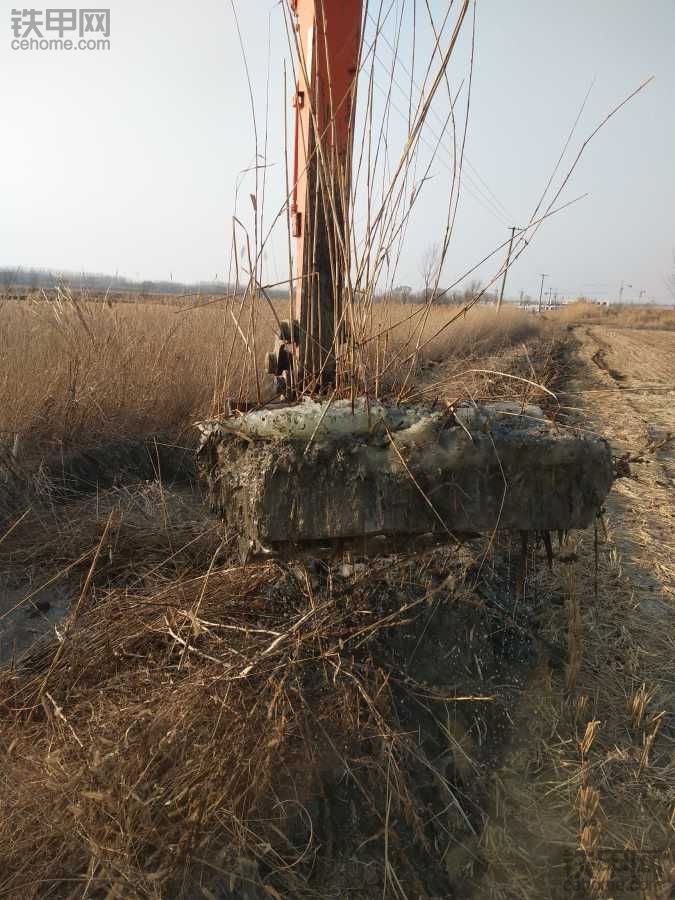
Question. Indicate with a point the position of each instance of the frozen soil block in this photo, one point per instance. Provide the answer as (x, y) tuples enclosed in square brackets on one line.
[(322, 473)]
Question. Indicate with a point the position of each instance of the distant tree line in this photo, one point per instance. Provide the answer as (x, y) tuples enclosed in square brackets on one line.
[(403, 293), (28, 280), (35, 279), (45, 279)]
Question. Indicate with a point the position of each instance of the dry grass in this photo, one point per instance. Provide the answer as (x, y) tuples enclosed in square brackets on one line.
[(628, 316), (594, 771), (192, 733), (181, 739), (199, 728), (74, 372)]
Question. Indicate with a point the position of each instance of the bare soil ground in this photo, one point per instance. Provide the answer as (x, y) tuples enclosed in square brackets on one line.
[(632, 399)]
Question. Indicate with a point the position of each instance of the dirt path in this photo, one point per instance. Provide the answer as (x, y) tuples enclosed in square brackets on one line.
[(584, 801), (629, 383), (628, 379)]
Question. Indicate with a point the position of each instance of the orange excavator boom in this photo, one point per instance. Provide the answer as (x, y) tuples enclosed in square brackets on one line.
[(328, 41)]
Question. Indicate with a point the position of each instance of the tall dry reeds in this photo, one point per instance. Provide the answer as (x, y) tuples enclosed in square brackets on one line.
[(74, 372)]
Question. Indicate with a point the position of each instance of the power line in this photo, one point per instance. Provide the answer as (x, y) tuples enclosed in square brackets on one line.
[(541, 289), (502, 216), (469, 186), (495, 200)]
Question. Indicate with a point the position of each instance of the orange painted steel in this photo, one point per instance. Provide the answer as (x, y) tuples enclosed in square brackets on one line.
[(328, 38)]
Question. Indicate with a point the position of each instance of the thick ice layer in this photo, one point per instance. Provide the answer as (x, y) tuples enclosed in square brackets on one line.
[(320, 472)]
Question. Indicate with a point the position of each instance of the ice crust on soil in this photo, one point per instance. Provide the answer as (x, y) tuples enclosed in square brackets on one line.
[(326, 421)]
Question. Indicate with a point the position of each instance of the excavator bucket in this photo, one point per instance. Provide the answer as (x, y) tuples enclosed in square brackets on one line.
[(321, 477)]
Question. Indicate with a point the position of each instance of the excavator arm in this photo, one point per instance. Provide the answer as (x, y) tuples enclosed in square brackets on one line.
[(327, 35)]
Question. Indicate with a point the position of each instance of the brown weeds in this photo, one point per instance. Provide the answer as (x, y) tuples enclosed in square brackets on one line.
[(74, 372), (166, 738), (660, 318)]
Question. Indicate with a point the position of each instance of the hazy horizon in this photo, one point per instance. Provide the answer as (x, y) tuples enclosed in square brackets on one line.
[(126, 161)]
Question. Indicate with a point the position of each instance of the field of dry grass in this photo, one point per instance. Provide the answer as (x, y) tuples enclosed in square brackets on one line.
[(183, 726), (660, 319), (491, 719), (74, 372)]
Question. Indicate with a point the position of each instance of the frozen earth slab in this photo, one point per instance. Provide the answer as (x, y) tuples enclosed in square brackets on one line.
[(322, 472)]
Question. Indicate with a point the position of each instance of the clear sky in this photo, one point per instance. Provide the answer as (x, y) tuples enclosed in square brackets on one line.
[(127, 160)]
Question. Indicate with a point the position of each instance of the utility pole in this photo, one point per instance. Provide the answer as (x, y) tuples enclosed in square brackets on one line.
[(506, 268), (541, 289), (624, 284)]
